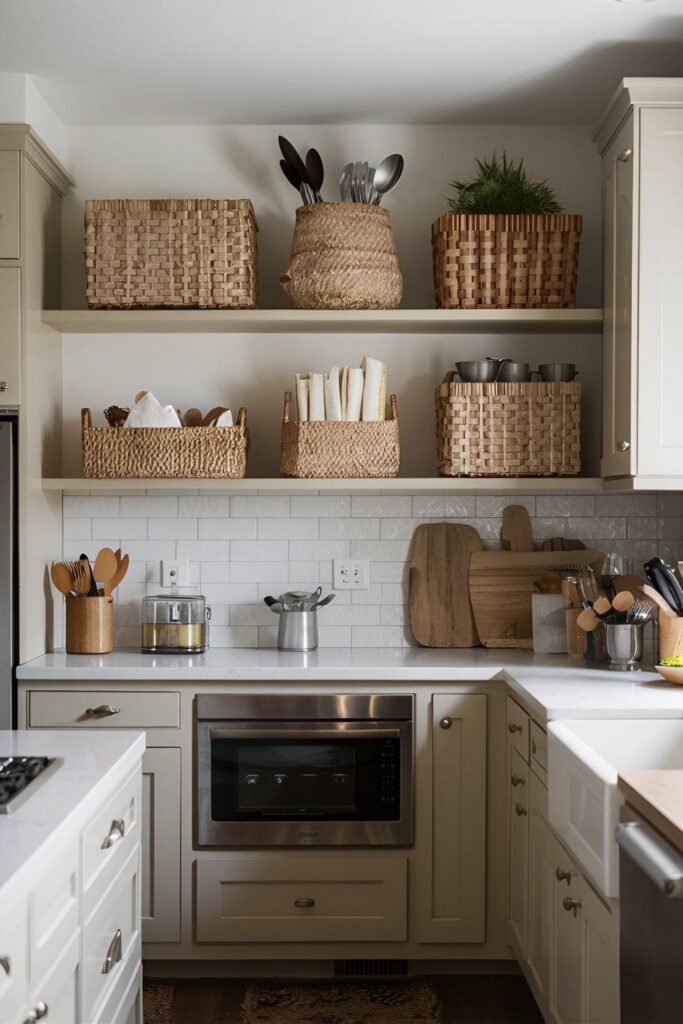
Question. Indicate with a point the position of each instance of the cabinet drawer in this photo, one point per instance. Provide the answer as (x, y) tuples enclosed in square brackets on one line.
[(301, 900), (53, 911), (118, 911), (9, 205), (59, 990), (121, 709), (108, 840), (539, 747), (518, 728)]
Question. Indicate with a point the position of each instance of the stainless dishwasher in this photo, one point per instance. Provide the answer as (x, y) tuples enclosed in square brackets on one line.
[(651, 912)]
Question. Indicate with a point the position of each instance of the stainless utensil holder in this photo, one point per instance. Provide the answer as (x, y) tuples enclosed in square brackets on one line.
[(624, 646), (297, 631)]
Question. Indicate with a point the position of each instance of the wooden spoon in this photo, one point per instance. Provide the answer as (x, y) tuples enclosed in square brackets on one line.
[(105, 566), (193, 418), (587, 620), (623, 601), (602, 606), (61, 577), (121, 571)]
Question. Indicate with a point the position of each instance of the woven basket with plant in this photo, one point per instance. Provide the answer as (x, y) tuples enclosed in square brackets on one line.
[(505, 243)]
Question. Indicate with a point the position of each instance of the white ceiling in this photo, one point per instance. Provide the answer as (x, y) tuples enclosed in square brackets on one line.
[(331, 61)]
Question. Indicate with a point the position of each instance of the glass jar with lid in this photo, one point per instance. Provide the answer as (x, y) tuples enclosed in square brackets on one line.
[(175, 624)]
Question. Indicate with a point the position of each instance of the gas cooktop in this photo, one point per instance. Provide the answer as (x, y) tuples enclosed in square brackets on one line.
[(18, 775)]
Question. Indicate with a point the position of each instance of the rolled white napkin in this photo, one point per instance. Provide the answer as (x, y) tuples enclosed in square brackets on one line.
[(316, 397), (225, 419), (343, 390), (374, 391), (332, 396), (149, 412), (354, 394), (302, 397)]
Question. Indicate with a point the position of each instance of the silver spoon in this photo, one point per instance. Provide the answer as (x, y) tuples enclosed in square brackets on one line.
[(386, 175), (345, 182)]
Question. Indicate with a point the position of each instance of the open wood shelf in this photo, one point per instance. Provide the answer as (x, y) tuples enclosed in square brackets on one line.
[(275, 321), (416, 485)]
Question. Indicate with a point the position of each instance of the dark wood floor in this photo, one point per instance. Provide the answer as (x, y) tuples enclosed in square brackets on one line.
[(465, 999)]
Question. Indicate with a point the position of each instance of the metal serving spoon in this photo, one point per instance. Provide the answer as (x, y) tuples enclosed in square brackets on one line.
[(386, 176)]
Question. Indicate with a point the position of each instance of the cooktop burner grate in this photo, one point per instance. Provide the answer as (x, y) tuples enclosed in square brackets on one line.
[(17, 774)]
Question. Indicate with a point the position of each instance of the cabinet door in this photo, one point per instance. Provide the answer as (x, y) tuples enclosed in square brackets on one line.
[(565, 936), (618, 439), (59, 991), (541, 889), (660, 352), (9, 205), (161, 844), (518, 854), (600, 956), (453, 887), (10, 335), (13, 947)]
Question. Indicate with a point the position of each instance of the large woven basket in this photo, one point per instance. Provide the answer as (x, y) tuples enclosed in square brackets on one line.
[(119, 453), (343, 257), (520, 429), (500, 261), (340, 450), (155, 253)]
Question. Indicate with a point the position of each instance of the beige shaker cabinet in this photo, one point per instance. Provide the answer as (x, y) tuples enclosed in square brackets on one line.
[(641, 143), (518, 860), (10, 335), (10, 197), (161, 839)]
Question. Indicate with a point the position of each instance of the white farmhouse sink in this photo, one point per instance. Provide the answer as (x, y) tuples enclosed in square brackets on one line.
[(584, 760)]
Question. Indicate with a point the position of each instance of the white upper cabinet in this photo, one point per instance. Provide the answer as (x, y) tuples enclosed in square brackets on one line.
[(641, 142)]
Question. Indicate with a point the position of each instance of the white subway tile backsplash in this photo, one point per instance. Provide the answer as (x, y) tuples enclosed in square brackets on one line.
[(242, 547)]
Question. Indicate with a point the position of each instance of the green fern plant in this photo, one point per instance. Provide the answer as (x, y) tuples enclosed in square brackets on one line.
[(503, 187)]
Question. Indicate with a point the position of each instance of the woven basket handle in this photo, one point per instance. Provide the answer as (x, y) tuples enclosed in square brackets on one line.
[(394, 407), (242, 418), (86, 419), (285, 411)]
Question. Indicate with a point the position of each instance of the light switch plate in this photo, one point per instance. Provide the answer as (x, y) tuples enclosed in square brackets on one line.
[(175, 570), (351, 574)]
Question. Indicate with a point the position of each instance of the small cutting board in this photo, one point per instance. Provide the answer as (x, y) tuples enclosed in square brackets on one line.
[(515, 533), (440, 610), (501, 585)]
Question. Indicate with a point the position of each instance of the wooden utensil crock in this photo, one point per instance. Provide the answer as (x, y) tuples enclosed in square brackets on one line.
[(89, 625), (670, 635)]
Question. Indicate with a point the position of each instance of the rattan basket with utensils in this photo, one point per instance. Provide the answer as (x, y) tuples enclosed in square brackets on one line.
[(343, 257), (119, 453), (508, 430), (340, 450), (156, 253), (505, 261)]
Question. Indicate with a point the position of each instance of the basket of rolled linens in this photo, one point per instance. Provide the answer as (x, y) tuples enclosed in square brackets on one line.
[(170, 253)]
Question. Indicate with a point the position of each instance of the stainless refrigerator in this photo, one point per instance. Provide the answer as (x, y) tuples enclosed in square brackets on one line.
[(8, 569)]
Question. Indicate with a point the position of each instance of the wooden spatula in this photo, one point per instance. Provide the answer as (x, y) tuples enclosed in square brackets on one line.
[(61, 577), (105, 565), (515, 534), (111, 584)]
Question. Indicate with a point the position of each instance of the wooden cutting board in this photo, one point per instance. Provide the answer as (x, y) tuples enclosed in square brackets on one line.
[(515, 533), (440, 609), (501, 585)]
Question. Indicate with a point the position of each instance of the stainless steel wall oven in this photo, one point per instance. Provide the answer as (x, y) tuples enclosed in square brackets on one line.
[(304, 769)]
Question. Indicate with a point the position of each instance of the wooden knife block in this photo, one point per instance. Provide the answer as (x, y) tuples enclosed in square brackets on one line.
[(89, 625), (670, 636)]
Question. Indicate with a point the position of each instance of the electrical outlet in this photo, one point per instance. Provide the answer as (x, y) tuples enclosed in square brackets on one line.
[(351, 574), (174, 570)]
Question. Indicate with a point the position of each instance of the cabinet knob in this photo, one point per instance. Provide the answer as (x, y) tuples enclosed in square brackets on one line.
[(625, 155), (446, 723), (101, 711), (37, 1013), (571, 904), (6, 965), (521, 810), (563, 876), (304, 904), (116, 832), (513, 727), (3, 385), (623, 446), (517, 780)]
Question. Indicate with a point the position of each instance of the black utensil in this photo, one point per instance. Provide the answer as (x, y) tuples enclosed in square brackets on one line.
[(290, 174), (93, 591), (316, 171), (665, 583), (293, 159)]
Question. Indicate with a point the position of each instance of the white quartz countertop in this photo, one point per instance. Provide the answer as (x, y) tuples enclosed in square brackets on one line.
[(551, 686), (93, 764)]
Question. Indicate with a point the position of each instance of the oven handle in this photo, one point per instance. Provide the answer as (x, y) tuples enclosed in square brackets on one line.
[(274, 732), (655, 858)]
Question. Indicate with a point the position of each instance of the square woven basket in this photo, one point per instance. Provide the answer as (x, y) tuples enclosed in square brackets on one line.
[(340, 450), (170, 253), (209, 453), (508, 430)]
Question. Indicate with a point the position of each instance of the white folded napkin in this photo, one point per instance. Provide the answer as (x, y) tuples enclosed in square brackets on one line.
[(332, 396), (316, 397), (343, 390), (149, 412), (302, 397), (354, 393), (374, 391), (225, 419)]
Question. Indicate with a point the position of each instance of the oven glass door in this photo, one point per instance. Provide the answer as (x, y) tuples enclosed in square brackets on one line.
[(341, 772)]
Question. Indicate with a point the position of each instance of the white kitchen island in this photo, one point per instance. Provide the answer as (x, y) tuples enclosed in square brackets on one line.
[(70, 881)]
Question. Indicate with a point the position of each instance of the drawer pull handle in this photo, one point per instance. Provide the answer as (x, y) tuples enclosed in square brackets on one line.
[(113, 953), (521, 810), (3, 385), (571, 904), (563, 876), (6, 965), (37, 1013), (101, 711), (517, 780), (304, 904), (116, 832), (513, 727), (446, 723)]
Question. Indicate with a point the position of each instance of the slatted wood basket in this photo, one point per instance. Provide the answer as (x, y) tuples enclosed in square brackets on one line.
[(157, 253), (340, 450), (508, 430), (119, 453), (501, 261)]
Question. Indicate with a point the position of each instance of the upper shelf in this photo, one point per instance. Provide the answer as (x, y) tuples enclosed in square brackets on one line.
[(293, 321)]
